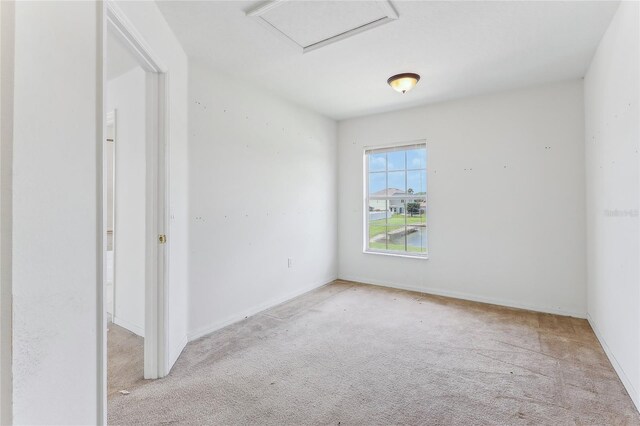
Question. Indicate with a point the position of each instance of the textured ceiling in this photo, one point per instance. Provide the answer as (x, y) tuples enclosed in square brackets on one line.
[(459, 48)]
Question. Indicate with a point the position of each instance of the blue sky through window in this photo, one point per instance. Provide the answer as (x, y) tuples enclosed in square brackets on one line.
[(396, 166)]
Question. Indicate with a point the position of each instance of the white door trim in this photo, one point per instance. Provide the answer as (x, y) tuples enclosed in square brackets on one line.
[(156, 265), (110, 120)]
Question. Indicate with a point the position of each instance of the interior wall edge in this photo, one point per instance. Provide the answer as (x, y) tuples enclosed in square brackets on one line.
[(101, 314), (467, 296), (612, 117), (203, 331), (624, 378), (7, 21)]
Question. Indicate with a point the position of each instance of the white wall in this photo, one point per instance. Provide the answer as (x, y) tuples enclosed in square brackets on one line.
[(262, 189), (127, 95), (55, 251), (613, 198), (155, 31), (505, 195), (6, 144), (57, 129)]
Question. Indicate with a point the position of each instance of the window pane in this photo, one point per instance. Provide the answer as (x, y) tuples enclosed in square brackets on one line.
[(378, 210), (417, 159), (417, 182), (416, 209), (396, 160), (377, 162), (397, 207), (417, 238), (397, 181), (396, 238), (377, 183), (378, 214), (416, 225), (395, 226), (378, 241)]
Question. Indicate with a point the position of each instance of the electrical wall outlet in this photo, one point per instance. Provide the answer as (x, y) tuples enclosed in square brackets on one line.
[(290, 262)]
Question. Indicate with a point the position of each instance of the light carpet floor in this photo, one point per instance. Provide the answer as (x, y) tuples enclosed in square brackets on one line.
[(125, 360), (349, 354)]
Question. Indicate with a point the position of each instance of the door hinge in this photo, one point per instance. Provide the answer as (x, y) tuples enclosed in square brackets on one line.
[(162, 239)]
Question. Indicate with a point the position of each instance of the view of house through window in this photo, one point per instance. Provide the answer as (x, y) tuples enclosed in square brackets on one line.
[(396, 187)]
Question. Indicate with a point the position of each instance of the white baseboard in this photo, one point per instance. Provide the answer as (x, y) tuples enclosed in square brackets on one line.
[(467, 296), (633, 393), (203, 331), (136, 329)]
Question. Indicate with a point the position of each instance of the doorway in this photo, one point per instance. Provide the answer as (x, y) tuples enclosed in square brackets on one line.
[(134, 211)]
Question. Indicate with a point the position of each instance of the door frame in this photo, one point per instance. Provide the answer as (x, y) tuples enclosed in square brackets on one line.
[(157, 205), (111, 120)]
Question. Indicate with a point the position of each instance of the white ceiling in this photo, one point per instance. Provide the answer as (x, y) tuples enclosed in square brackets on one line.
[(459, 48)]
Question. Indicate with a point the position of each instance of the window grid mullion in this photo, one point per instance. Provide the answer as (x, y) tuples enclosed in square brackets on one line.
[(406, 188), (386, 215), (368, 203)]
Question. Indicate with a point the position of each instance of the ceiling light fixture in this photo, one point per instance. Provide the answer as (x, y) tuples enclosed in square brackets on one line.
[(403, 82)]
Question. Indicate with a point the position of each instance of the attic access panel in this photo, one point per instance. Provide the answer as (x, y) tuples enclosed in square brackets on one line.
[(309, 25)]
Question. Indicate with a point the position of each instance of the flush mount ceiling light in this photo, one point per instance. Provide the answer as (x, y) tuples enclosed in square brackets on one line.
[(403, 82)]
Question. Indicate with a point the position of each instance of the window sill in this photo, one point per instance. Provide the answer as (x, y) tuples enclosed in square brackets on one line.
[(392, 254)]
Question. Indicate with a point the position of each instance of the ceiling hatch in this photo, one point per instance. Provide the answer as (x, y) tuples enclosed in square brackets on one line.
[(309, 25)]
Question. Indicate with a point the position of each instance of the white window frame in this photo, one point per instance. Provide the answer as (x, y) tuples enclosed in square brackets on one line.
[(366, 201)]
